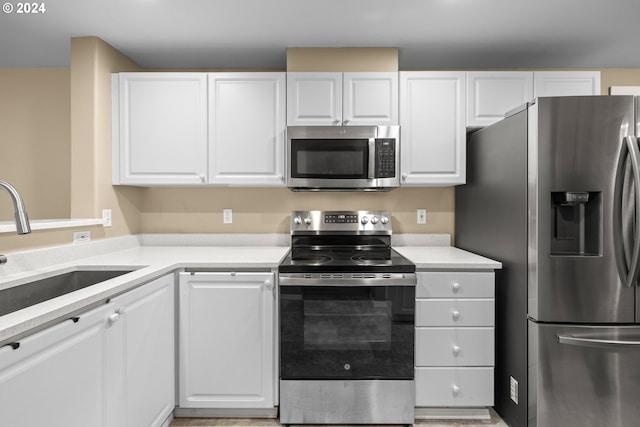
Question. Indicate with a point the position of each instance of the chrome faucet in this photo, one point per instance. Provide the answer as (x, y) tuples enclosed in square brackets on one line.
[(22, 220)]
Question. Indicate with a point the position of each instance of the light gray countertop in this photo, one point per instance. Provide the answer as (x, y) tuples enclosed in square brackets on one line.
[(151, 262), (446, 258)]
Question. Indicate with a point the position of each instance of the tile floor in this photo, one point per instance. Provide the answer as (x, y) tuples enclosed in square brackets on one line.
[(495, 421)]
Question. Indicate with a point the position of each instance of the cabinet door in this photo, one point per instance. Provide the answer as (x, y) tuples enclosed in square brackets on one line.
[(58, 376), (246, 128), (141, 341), (433, 128), (227, 340), (566, 83), (370, 99), (491, 94), (314, 99), (160, 137)]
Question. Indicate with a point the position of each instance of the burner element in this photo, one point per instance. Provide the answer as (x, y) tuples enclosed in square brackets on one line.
[(371, 259), (312, 258)]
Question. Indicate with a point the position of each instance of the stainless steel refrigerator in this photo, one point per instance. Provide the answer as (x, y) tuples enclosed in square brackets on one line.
[(553, 192)]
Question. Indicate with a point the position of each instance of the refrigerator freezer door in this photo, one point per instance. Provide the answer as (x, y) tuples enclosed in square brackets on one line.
[(574, 148), (583, 375)]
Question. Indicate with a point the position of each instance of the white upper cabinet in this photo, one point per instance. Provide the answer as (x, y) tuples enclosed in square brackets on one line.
[(491, 94), (159, 128), (186, 129), (432, 119), (314, 99), (370, 99), (336, 99), (247, 123), (566, 83)]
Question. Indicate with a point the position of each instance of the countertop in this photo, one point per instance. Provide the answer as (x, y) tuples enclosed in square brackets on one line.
[(446, 258), (151, 262)]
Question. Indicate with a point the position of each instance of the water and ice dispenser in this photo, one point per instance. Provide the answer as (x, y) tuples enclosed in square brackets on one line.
[(576, 223)]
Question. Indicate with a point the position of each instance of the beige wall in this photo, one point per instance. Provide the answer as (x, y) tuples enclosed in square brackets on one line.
[(92, 63), (73, 107), (342, 59), (618, 77), (35, 148), (199, 210), (64, 140)]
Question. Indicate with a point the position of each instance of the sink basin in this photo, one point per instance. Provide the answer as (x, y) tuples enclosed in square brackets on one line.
[(19, 297)]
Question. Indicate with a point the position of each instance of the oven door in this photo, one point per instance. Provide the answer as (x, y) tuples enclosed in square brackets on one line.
[(347, 332)]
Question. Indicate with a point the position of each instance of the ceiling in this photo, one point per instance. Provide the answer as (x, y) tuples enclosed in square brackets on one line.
[(255, 33)]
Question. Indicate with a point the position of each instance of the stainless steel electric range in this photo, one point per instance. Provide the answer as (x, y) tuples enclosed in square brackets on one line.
[(347, 303)]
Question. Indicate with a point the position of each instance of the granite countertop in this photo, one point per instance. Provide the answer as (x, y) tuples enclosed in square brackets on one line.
[(151, 262)]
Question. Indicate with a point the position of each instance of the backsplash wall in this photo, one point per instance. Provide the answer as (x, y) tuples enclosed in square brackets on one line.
[(199, 210)]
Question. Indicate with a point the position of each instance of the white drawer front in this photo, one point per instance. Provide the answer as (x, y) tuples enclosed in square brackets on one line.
[(454, 386), (461, 284), (455, 312), (454, 346)]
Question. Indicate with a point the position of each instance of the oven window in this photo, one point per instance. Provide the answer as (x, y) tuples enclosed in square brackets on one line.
[(329, 158), (342, 332)]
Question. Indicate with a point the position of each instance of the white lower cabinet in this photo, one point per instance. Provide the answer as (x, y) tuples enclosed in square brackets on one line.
[(142, 340), (227, 340), (106, 367), (58, 376), (455, 339)]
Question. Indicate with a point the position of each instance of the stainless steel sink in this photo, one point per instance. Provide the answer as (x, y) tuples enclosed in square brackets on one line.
[(22, 296)]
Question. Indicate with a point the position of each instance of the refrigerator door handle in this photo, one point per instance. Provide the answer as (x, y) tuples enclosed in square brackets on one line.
[(628, 273), (598, 342)]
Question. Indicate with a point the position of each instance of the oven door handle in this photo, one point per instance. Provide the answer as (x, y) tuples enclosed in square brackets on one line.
[(395, 279)]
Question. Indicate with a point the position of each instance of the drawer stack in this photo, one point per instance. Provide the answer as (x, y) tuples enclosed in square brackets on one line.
[(455, 339)]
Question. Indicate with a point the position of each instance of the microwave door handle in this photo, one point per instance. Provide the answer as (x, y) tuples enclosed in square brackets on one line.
[(372, 159)]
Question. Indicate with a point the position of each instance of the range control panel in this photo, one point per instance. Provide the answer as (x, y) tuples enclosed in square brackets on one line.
[(353, 221)]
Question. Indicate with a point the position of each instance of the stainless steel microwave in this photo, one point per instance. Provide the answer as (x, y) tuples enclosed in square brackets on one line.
[(356, 158)]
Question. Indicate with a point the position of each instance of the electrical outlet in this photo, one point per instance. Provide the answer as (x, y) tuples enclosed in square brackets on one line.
[(106, 218), (81, 236), (513, 389), (227, 216), (422, 216)]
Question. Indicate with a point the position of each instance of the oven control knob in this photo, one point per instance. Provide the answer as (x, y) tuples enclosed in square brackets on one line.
[(374, 220), (384, 220), (297, 220), (307, 221), (364, 219)]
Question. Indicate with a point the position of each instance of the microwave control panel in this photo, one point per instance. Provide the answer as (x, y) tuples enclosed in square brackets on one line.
[(385, 158)]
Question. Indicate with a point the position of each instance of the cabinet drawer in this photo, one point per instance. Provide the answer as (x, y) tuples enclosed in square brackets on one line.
[(454, 346), (455, 312), (464, 284), (454, 386)]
